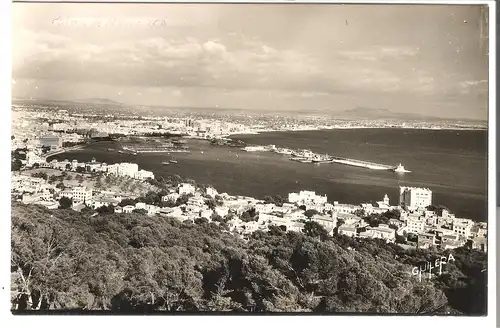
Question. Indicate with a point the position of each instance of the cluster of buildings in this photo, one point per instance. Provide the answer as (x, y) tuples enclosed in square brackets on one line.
[(130, 170), (417, 225)]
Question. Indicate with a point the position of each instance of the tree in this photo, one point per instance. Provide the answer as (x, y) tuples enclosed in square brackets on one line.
[(400, 239), (36, 165), (268, 200), (140, 211), (218, 200), (211, 203), (65, 203), (60, 185), (110, 209), (360, 213), (249, 215), (182, 200), (87, 210), (16, 165), (63, 260), (276, 231), (42, 175), (126, 202), (315, 230), (310, 213), (98, 184), (201, 221), (68, 167), (217, 218), (80, 169)]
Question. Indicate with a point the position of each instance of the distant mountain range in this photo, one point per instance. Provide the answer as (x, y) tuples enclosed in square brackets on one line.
[(89, 101), (378, 113), (100, 101), (382, 113)]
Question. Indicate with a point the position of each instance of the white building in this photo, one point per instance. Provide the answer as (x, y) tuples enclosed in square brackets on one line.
[(415, 224), (348, 230), (463, 227), (211, 192), (173, 197), (345, 208), (381, 232), (186, 188), (127, 169), (327, 221), (384, 204), (306, 197), (32, 158), (82, 194), (143, 175), (128, 209), (412, 198), (221, 211), (265, 208)]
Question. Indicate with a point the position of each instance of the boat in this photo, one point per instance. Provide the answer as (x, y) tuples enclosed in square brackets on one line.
[(401, 169), (173, 161), (165, 163)]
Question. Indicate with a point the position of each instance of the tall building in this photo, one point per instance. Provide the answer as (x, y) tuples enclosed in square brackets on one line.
[(52, 141), (412, 198), (462, 227), (82, 194), (127, 169)]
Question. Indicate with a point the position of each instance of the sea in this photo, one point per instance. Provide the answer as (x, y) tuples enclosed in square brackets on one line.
[(453, 164)]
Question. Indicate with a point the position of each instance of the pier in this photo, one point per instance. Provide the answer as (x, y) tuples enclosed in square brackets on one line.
[(359, 163), (307, 156)]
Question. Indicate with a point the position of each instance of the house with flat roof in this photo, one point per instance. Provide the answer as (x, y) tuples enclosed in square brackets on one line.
[(347, 230), (426, 240)]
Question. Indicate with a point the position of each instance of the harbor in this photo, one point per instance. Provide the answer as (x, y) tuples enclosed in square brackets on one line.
[(307, 156)]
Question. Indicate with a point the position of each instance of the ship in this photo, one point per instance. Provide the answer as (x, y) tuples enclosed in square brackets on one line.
[(173, 161), (301, 159), (400, 169), (165, 163)]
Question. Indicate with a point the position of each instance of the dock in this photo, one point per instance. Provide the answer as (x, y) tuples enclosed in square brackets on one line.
[(359, 163)]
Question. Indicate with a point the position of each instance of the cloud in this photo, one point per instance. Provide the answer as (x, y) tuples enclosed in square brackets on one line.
[(248, 63)]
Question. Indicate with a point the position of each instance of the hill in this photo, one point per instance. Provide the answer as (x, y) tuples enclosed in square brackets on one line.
[(386, 114), (130, 262), (379, 113)]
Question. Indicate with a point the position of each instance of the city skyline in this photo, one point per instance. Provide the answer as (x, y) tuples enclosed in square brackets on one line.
[(411, 59)]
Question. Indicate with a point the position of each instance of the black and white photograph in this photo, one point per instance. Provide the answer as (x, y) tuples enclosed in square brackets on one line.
[(250, 159)]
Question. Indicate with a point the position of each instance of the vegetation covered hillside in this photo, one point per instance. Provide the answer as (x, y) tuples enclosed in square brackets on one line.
[(62, 259)]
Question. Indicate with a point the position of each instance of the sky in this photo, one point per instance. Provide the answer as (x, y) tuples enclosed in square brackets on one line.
[(426, 59)]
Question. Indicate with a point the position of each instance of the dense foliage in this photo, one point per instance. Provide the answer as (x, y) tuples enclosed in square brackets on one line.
[(62, 259)]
